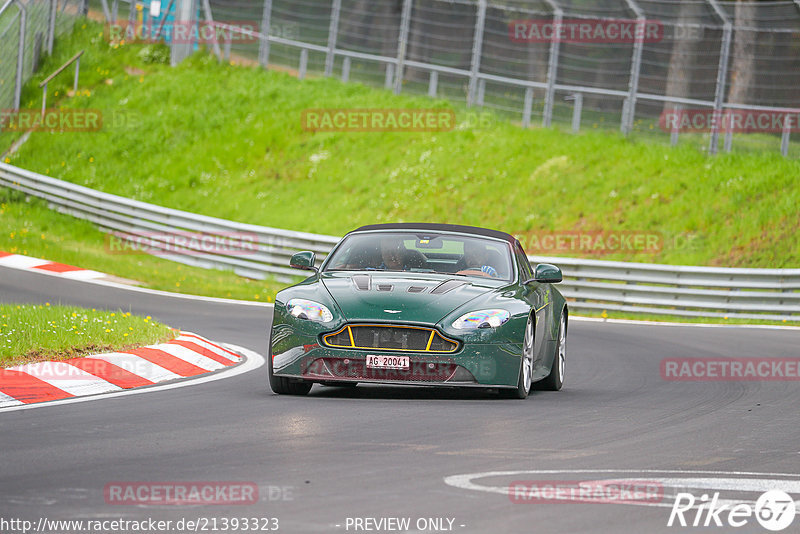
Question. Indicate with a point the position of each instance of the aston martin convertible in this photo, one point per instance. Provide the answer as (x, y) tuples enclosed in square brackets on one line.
[(421, 304)]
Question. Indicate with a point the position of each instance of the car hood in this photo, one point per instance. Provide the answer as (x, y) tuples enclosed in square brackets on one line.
[(402, 297)]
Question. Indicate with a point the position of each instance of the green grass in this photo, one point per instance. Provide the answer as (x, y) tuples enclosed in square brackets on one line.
[(227, 141), (28, 227), (30, 333)]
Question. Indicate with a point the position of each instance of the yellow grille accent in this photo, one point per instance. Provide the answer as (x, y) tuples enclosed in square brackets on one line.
[(399, 338)]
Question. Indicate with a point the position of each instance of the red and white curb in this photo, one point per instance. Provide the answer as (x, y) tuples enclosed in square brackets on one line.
[(187, 355), (28, 263)]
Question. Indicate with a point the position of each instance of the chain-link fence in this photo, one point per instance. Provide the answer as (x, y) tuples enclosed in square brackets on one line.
[(702, 71), (28, 29)]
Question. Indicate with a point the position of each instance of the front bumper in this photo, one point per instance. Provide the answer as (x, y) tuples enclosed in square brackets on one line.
[(480, 365)]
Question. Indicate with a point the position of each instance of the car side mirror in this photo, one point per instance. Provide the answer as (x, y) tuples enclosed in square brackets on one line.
[(303, 260), (547, 274)]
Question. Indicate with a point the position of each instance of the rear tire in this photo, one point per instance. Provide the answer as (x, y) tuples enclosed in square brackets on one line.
[(555, 379)]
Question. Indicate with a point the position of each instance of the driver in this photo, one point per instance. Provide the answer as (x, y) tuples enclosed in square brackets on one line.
[(476, 257), (392, 254)]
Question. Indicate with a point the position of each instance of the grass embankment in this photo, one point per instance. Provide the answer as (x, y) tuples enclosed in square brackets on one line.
[(30, 333), (227, 141)]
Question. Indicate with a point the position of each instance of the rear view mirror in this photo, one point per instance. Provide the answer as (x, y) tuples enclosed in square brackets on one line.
[(303, 260), (546, 273)]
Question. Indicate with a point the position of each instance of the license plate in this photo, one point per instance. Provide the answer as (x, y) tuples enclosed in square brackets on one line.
[(387, 362)]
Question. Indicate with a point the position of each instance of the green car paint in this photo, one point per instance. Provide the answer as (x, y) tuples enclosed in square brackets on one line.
[(489, 357)]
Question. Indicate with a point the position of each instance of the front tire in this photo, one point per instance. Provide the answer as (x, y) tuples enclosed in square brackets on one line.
[(555, 379), (525, 380), (281, 385)]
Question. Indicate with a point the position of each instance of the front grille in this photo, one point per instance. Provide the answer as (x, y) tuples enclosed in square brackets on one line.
[(355, 370), (396, 338)]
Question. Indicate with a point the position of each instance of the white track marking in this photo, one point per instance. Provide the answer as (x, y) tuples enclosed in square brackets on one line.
[(253, 361), (205, 344), (83, 274), (5, 400), (17, 261), (189, 356), (67, 378), (664, 323), (711, 480), (138, 366)]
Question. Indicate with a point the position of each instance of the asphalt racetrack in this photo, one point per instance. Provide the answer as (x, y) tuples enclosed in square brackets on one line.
[(441, 458)]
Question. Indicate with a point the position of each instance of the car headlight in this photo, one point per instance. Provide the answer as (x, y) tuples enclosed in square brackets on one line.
[(481, 319), (310, 310)]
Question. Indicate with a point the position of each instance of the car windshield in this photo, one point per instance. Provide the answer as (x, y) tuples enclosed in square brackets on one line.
[(459, 255)]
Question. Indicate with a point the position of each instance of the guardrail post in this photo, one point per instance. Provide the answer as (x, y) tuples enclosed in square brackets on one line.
[(346, 69), (263, 45), (629, 111), (526, 107), (301, 71), (333, 33), (552, 65), (477, 50), (389, 80), (402, 45), (433, 82), (51, 25), (787, 130), (722, 75)]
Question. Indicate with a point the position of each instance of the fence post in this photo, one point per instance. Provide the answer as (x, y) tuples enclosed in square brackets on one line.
[(526, 107), (346, 69), (433, 82), (301, 71), (477, 49), (728, 129), (114, 11), (787, 130), (676, 128), (20, 54), (552, 65), (389, 81), (51, 25), (577, 109), (263, 46), (402, 45), (210, 21), (629, 111), (333, 33), (722, 75), (106, 12)]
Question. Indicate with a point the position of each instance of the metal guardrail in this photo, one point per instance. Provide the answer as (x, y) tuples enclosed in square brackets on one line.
[(769, 294)]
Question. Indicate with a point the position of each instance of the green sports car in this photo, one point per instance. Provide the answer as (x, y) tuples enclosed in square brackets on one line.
[(421, 304)]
